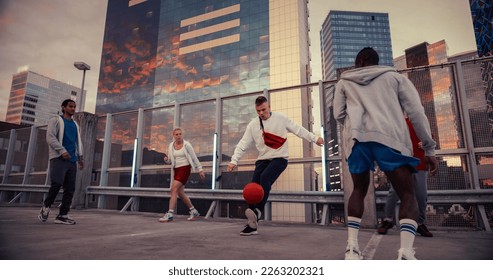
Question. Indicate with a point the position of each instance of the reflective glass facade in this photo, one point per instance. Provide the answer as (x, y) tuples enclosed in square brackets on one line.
[(345, 33), (176, 59), (34, 98), (161, 52), (436, 93), (482, 19)]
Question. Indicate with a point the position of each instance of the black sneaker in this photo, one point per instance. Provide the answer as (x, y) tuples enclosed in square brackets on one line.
[(64, 219), (248, 231), (43, 214), (423, 230), (385, 226)]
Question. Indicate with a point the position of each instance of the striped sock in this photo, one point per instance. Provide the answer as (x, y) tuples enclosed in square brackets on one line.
[(353, 225), (408, 232)]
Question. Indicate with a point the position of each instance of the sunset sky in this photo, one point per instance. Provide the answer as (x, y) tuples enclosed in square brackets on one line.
[(49, 35)]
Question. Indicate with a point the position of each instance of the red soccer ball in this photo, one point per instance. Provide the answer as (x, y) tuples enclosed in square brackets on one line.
[(253, 193)]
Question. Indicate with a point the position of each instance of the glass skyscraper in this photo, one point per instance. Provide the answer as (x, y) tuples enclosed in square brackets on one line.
[(159, 53), (345, 33), (482, 19)]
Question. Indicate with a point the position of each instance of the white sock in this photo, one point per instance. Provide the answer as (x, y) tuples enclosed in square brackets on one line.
[(408, 233), (353, 226)]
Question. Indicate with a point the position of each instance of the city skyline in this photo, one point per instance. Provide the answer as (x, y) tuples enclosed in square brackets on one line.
[(35, 32)]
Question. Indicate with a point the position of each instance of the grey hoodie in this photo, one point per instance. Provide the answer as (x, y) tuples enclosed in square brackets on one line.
[(370, 103), (54, 138)]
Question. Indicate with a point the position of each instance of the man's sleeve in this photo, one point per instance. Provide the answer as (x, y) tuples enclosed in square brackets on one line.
[(339, 103), (243, 145), (52, 137)]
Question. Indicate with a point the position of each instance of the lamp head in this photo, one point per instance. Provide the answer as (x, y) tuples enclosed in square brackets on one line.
[(82, 66)]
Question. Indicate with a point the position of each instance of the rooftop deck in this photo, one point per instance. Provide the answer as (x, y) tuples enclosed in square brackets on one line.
[(111, 235)]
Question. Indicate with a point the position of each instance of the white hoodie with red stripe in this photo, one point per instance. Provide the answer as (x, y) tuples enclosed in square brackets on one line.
[(278, 124)]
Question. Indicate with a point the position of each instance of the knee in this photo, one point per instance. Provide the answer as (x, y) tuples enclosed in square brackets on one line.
[(174, 190)]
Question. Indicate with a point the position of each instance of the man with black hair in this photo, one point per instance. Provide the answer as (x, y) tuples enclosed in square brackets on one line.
[(268, 132), (370, 102), (65, 150)]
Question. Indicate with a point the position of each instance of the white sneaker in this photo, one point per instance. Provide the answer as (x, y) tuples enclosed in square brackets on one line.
[(168, 217), (406, 254), (252, 218), (193, 214), (353, 252)]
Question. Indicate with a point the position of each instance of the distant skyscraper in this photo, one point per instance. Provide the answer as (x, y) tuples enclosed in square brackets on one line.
[(482, 19), (35, 98), (345, 33), (342, 36), (434, 87), (159, 53)]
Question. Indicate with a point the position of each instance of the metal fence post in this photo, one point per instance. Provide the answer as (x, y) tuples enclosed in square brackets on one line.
[(468, 139), (105, 161)]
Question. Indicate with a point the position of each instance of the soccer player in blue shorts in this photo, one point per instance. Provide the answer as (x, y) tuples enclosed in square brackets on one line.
[(370, 102)]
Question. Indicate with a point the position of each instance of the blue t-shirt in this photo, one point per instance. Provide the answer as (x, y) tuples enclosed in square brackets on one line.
[(70, 138)]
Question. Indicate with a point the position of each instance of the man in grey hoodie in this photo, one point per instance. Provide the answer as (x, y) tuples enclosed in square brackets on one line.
[(369, 102), (65, 150)]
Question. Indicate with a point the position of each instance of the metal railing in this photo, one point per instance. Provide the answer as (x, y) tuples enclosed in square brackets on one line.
[(130, 160)]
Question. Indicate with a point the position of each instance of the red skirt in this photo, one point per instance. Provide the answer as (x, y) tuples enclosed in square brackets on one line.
[(182, 173)]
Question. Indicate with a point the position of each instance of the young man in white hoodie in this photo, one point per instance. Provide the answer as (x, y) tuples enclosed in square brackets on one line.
[(65, 151), (268, 132), (369, 102)]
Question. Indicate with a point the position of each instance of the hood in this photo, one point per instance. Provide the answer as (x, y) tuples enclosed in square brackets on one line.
[(365, 75)]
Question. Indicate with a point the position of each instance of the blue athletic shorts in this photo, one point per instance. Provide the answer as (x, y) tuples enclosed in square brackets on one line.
[(365, 154)]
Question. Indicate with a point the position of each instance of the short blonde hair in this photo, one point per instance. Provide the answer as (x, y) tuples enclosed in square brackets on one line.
[(177, 128)]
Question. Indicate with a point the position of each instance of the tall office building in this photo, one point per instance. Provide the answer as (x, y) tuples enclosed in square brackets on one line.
[(482, 19), (160, 53), (343, 35), (434, 86), (34, 98)]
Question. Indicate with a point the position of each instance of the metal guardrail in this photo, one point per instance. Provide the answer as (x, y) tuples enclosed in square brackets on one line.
[(476, 197), (21, 189), (483, 196)]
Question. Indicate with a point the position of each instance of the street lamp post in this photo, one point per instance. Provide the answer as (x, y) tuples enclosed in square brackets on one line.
[(82, 66)]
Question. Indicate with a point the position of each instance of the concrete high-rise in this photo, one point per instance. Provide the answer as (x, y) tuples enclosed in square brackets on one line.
[(34, 98)]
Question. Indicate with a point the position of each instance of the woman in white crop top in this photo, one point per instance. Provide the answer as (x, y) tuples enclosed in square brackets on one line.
[(183, 160)]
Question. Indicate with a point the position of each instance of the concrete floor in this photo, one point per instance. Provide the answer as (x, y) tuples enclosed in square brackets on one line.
[(111, 235)]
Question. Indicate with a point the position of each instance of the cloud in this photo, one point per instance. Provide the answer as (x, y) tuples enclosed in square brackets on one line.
[(50, 36)]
